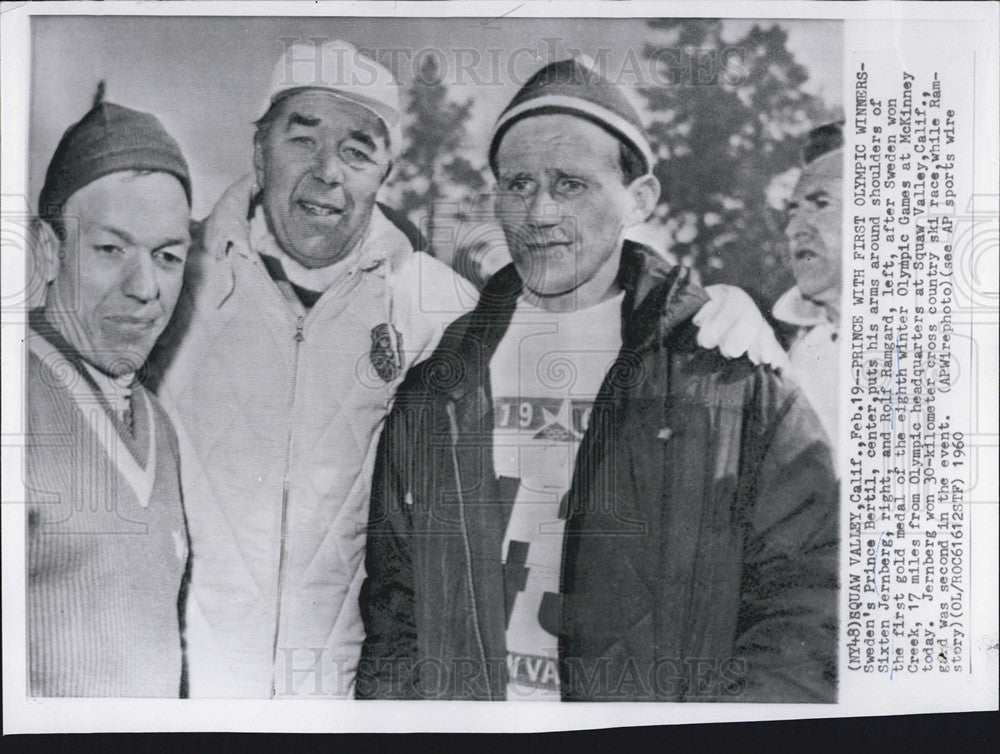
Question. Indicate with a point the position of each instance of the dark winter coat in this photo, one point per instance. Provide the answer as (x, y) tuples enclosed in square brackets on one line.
[(700, 554)]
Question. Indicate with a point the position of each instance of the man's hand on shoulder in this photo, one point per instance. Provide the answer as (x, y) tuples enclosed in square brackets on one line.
[(731, 322)]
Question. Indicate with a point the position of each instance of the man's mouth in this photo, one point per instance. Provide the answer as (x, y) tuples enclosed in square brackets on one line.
[(132, 322), (319, 209), (548, 245)]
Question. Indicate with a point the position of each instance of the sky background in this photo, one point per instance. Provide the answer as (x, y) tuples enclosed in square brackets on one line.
[(206, 78)]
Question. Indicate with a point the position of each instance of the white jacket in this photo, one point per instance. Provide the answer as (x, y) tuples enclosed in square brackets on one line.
[(814, 356), (278, 411)]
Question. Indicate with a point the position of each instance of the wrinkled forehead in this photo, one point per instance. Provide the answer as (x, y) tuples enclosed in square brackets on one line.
[(147, 206), (556, 142), (328, 111)]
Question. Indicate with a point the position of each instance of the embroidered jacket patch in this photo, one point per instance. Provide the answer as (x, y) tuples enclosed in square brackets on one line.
[(387, 351)]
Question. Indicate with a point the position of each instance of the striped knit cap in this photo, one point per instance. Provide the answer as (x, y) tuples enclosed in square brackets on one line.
[(573, 87), (109, 139)]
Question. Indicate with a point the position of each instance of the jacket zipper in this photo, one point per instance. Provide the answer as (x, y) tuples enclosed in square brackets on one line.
[(282, 553), (453, 429)]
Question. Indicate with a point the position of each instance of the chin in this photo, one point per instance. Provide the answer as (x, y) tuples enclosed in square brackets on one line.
[(314, 257)]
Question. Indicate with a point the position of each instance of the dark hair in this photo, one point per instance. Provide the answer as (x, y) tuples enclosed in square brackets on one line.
[(823, 140), (632, 163), (264, 124)]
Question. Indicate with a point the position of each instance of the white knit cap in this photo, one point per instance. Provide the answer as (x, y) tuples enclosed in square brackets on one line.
[(340, 68)]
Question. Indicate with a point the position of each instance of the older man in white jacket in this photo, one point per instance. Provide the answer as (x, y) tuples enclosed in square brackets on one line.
[(279, 371)]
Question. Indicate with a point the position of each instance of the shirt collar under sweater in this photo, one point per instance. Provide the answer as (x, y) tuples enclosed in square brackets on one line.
[(117, 390)]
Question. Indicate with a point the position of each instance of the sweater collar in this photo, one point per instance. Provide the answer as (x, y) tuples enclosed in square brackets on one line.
[(107, 389), (41, 326)]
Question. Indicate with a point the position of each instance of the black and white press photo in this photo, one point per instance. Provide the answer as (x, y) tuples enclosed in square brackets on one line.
[(495, 357)]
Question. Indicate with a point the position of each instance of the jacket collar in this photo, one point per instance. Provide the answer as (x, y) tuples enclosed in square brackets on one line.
[(381, 250), (658, 299), (795, 309), (658, 296)]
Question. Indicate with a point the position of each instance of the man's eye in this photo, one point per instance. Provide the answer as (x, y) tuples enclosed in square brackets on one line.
[(570, 186), (168, 258), (305, 141), (109, 249), (520, 186), (353, 154), (821, 203)]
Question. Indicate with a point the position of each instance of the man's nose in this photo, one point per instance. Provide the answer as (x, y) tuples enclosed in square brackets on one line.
[(329, 168), (798, 229), (140, 281), (543, 212)]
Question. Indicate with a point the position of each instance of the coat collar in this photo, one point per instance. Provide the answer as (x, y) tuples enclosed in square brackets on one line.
[(383, 248), (795, 309), (658, 299)]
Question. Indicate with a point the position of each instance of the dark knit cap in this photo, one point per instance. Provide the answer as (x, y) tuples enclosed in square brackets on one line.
[(109, 139), (822, 140), (570, 86)]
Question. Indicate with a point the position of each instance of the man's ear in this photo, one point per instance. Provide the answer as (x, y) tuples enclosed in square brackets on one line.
[(46, 249), (645, 192), (258, 162)]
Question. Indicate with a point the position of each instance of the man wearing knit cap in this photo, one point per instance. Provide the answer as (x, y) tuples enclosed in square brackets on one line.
[(575, 500), (107, 544)]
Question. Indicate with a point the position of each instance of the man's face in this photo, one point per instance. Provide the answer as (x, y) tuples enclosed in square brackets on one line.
[(814, 228), (121, 266), (562, 202), (320, 167)]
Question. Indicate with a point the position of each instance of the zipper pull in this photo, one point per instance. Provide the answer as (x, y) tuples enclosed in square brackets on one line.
[(299, 323)]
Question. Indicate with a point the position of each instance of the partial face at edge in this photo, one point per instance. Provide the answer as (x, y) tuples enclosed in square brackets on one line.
[(320, 168), (121, 266), (562, 202), (814, 228)]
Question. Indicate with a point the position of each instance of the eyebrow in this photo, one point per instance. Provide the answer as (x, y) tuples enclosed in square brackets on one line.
[(514, 174), (119, 233), (166, 244), (364, 138), (580, 175), (129, 240), (298, 119)]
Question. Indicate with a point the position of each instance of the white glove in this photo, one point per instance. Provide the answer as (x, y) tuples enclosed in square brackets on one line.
[(229, 216), (732, 323)]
